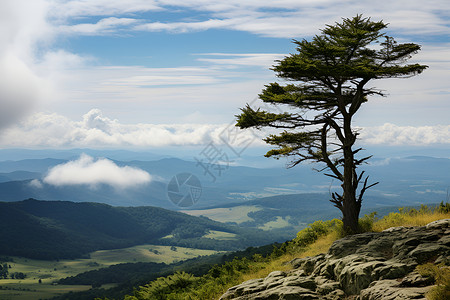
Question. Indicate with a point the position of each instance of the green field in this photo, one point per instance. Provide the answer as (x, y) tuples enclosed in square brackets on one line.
[(220, 235), (280, 222), (51, 271), (237, 214)]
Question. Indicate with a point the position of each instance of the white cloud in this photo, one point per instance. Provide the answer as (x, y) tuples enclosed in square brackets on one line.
[(36, 183), (285, 18), (87, 171), (22, 28), (265, 60), (77, 8), (98, 131), (104, 26), (390, 134), (291, 19)]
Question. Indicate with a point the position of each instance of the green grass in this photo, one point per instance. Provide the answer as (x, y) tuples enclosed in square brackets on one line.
[(51, 271), (23, 290), (280, 222), (313, 240), (238, 214), (220, 235)]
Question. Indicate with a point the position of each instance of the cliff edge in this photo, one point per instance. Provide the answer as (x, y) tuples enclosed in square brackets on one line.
[(365, 266)]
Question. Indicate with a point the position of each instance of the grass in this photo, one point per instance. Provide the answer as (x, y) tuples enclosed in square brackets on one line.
[(404, 217), (412, 218), (237, 214), (220, 235), (280, 222), (51, 271), (25, 291)]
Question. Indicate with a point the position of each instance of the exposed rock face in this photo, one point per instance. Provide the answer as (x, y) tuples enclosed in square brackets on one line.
[(366, 266)]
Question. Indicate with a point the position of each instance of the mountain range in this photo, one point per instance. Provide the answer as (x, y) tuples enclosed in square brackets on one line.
[(403, 181)]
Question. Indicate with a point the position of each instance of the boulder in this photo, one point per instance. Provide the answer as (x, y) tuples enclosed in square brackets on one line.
[(365, 266)]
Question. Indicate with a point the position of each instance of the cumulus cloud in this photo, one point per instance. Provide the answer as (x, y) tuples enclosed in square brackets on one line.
[(87, 171), (390, 134), (96, 130)]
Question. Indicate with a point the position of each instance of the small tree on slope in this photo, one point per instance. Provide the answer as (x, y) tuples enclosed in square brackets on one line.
[(329, 76)]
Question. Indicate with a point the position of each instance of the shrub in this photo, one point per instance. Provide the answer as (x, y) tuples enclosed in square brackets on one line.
[(315, 230), (160, 288), (366, 223)]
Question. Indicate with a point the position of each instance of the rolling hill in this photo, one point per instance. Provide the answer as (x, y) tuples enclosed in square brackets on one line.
[(63, 229)]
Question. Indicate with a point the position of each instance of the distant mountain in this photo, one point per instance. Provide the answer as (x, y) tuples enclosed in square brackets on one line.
[(18, 175), (62, 229), (403, 181)]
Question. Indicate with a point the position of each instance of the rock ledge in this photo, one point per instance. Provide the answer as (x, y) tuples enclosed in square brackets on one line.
[(365, 266)]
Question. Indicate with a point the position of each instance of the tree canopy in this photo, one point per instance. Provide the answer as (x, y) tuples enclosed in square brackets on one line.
[(327, 85)]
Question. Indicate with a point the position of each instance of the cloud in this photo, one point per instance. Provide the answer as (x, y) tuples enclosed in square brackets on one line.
[(36, 183), (104, 26), (390, 134), (77, 8), (22, 27), (291, 19), (87, 171), (98, 131), (286, 18), (265, 60)]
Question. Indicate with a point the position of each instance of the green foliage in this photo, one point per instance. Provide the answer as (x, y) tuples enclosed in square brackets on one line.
[(61, 229), (164, 287), (366, 222), (443, 208), (4, 271), (18, 275), (315, 230), (441, 276)]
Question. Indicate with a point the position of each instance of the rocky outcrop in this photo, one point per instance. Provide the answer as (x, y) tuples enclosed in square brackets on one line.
[(365, 266)]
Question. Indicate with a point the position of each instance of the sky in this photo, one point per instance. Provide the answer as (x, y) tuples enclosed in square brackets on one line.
[(143, 74)]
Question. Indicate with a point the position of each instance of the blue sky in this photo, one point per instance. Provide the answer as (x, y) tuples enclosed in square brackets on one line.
[(150, 74)]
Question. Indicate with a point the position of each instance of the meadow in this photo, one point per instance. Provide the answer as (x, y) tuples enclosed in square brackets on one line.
[(42, 275)]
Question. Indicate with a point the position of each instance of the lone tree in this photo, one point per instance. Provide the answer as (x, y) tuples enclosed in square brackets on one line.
[(329, 76)]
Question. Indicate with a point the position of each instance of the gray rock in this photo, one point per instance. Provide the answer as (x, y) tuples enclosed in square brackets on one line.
[(366, 266), (390, 290)]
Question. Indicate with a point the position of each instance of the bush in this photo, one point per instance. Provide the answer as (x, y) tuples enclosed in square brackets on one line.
[(160, 288), (366, 223), (315, 230)]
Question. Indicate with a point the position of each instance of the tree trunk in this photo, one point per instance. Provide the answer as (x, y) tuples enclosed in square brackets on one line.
[(351, 207), (350, 212)]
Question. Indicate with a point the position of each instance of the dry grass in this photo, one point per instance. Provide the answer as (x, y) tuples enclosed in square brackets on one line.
[(281, 263), (322, 245), (403, 219)]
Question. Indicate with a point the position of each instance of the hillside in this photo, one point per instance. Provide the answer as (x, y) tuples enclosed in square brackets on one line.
[(318, 265), (62, 229), (380, 265)]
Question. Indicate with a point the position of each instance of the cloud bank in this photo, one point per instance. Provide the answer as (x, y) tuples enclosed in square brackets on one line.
[(96, 131), (390, 134), (87, 171)]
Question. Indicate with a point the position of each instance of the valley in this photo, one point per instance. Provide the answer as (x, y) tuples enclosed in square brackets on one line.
[(50, 272)]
